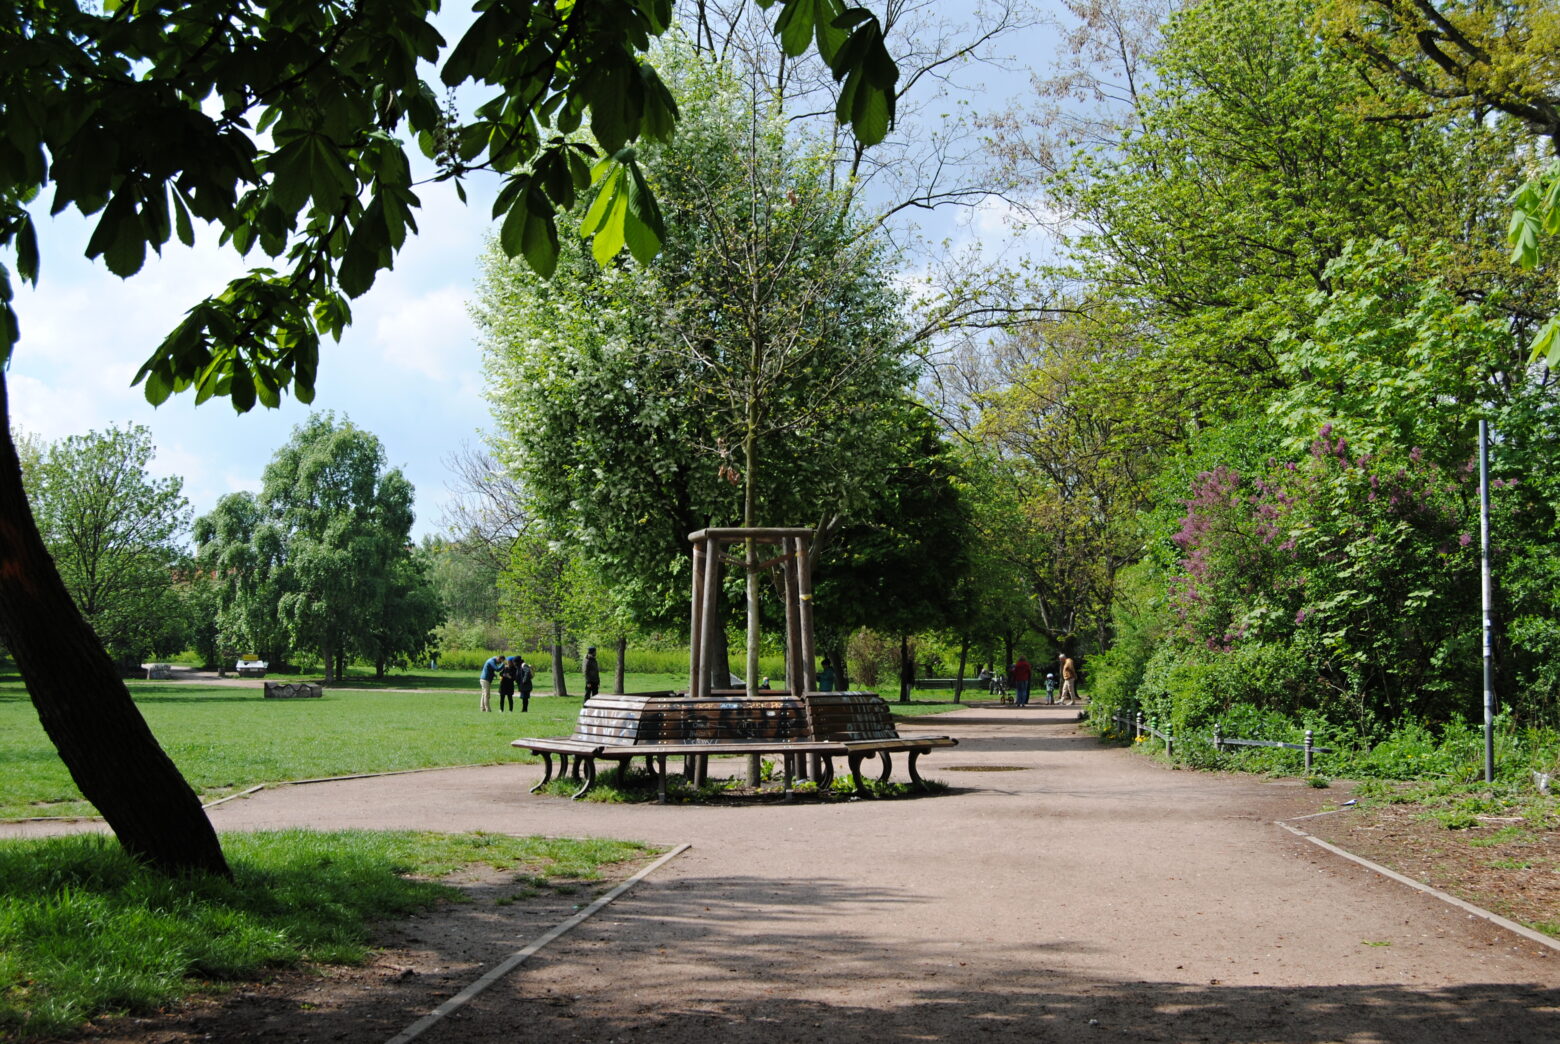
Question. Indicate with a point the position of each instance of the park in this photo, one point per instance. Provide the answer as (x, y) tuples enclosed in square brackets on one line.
[(1029, 518)]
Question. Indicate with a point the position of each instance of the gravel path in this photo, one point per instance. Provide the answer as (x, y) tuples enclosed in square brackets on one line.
[(1063, 891)]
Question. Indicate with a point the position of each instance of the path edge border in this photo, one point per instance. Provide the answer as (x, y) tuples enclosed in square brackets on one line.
[(519, 957), (1462, 904)]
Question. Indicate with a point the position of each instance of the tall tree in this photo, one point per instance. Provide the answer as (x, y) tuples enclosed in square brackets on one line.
[(108, 107), (735, 378), (332, 561), (116, 534)]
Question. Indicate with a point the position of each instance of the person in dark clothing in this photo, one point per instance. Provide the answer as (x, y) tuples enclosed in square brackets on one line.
[(523, 680), (506, 685), (592, 673)]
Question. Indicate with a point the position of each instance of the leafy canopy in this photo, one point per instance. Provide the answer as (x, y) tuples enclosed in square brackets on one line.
[(278, 121)]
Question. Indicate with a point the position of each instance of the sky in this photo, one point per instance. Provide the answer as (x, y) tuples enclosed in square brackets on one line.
[(408, 370)]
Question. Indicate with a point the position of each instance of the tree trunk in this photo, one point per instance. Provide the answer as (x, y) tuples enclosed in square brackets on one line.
[(906, 668), (83, 705), (560, 683), (330, 657), (622, 654), (964, 659)]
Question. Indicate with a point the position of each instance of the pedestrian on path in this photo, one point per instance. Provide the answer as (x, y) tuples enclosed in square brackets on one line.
[(1022, 675), (1050, 687), (490, 671), (1069, 680)]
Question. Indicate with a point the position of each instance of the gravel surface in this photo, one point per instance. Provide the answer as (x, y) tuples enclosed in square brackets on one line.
[(1061, 891)]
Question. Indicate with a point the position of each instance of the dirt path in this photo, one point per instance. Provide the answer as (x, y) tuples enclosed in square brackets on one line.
[(1077, 893)]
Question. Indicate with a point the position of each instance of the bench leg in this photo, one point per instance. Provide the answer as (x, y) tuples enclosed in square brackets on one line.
[(915, 777), (546, 772), (855, 774), (825, 772), (589, 773), (790, 765), (689, 760), (622, 771), (888, 766), (701, 769), (660, 779)]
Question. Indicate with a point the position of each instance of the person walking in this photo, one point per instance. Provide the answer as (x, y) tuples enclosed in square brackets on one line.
[(1069, 680), (592, 673), (506, 685), (490, 671), (524, 679), (1022, 674), (826, 676), (1050, 687)]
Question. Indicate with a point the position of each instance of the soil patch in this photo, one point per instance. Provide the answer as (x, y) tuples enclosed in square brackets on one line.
[(1501, 864), (417, 965)]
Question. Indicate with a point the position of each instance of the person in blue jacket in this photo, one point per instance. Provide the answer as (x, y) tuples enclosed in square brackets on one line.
[(490, 671)]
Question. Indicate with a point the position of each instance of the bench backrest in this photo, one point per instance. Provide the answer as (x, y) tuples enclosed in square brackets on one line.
[(655, 718)]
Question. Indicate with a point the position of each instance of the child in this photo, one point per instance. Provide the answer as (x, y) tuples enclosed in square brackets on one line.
[(1050, 688)]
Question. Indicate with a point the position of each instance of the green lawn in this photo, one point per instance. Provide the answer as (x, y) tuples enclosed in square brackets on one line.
[(84, 931), (226, 739)]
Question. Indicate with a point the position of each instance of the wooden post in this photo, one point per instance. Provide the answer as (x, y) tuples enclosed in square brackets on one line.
[(708, 614), (696, 624), (804, 603)]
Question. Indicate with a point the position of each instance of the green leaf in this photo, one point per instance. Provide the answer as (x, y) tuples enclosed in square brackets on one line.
[(181, 218), (158, 386), (26, 249), (1546, 345), (642, 224), (794, 27)]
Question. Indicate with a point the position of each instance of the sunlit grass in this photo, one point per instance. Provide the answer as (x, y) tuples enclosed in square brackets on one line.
[(228, 738), (85, 931)]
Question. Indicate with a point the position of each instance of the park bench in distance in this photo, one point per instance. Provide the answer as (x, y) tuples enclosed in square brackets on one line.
[(855, 726)]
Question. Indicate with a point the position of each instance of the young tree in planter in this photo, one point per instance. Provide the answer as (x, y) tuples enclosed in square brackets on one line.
[(739, 377)]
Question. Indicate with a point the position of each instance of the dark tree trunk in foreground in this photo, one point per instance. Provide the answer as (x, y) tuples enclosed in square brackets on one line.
[(84, 706), (964, 659), (906, 668)]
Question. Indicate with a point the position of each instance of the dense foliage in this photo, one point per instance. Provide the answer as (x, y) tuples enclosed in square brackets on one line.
[(117, 537), (1253, 445), (320, 561)]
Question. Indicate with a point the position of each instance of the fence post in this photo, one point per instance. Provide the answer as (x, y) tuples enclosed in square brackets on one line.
[(1169, 746), (1308, 737), (1137, 732), (1218, 740)]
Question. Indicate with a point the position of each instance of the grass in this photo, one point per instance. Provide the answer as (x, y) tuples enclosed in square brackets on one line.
[(227, 738), (84, 931)]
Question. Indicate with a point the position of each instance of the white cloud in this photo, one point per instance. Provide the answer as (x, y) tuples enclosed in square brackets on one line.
[(430, 335)]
